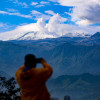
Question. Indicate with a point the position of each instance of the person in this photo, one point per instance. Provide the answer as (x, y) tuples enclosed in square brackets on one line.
[(32, 80)]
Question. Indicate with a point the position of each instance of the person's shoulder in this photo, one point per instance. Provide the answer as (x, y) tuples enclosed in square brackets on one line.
[(20, 70)]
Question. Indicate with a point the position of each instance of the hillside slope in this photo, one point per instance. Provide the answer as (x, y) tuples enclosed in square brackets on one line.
[(78, 87)]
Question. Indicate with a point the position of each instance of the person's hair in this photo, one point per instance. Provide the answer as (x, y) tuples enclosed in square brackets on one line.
[(30, 60)]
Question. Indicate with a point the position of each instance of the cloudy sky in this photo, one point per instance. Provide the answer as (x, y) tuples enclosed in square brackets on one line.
[(55, 16)]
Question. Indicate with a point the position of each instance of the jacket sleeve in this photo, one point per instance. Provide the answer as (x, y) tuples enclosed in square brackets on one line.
[(45, 72)]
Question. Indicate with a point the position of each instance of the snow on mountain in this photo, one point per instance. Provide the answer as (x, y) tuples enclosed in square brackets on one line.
[(35, 36), (76, 35), (25, 36)]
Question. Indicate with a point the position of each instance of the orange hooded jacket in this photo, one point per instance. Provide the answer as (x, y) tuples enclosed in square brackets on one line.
[(32, 82)]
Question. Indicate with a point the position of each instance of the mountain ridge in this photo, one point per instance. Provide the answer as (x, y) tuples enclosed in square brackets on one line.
[(76, 86), (65, 58)]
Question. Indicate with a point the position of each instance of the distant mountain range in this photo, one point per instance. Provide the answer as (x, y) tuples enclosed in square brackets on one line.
[(67, 55), (78, 87), (94, 39), (88, 40)]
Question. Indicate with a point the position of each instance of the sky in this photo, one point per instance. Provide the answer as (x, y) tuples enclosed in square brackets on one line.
[(54, 16)]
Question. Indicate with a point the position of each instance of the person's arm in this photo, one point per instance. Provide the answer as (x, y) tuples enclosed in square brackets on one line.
[(46, 71), (47, 67)]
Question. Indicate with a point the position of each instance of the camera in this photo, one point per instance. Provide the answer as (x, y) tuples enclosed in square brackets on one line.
[(38, 60)]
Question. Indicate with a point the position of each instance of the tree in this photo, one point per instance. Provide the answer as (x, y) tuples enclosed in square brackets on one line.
[(8, 89)]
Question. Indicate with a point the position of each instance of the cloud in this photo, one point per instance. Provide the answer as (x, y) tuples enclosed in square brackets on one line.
[(57, 19), (2, 25), (16, 14), (5, 26), (23, 4), (38, 15), (43, 2), (84, 12), (47, 16), (83, 22), (55, 24), (54, 0), (11, 10), (3, 12), (50, 12), (34, 3), (38, 6), (34, 12), (54, 28)]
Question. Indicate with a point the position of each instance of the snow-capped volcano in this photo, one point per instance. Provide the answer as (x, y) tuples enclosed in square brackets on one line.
[(25, 36), (34, 36)]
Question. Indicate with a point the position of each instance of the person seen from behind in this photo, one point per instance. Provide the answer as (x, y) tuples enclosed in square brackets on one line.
[(32, 80)]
